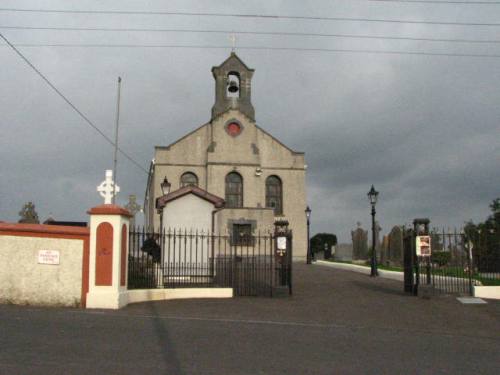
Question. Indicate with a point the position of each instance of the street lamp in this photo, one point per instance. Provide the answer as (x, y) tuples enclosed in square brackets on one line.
[(165, 189), (372, 196), (165, 186), (308, 216)]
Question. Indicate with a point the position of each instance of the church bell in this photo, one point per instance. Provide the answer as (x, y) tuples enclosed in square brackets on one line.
[(233, 86)]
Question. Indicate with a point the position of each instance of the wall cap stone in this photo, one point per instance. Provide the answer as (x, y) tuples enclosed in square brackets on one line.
[(42, 228), (109, 209)]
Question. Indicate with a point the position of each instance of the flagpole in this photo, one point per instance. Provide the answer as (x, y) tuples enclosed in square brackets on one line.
[(116, 138)]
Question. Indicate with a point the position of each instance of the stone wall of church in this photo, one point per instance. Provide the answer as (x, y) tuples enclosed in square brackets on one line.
[(261, 219), (211, 153), (240, 149), (189, 150)]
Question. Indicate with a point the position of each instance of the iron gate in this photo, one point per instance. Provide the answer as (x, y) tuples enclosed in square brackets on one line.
[(249, 264), (458, 261)]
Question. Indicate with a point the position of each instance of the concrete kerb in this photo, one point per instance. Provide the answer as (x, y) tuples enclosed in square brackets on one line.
[(393, 275), (147, 295)]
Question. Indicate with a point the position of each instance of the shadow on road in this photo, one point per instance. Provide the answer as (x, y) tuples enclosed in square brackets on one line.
[(377, 287), (168, 354)]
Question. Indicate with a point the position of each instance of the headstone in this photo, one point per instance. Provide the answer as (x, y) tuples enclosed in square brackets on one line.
[(378, 228), (383, 250), (395, 246), (28, 214), (133, 207), (343, 252), (359, 243)]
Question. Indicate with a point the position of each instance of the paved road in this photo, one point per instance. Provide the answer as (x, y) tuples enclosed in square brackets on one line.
[(337, 322)]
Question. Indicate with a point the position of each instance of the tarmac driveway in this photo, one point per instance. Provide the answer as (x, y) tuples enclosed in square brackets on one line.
[(337, 322)]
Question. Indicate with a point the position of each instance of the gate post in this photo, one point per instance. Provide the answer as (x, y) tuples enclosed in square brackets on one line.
[(408, 258), (108, 257), (411, 261), (283, 257)]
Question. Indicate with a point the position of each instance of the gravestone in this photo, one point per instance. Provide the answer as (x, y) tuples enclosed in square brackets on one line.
[(28, 214), (395, 246), (359, 243), (133, 207), (383, 250), (378, 228), (343, 252)]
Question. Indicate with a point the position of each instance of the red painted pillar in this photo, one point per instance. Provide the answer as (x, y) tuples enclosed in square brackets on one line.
[(108, 257)]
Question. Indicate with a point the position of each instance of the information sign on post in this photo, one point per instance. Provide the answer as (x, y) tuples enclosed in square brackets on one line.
[(423, 246), (281, 246)]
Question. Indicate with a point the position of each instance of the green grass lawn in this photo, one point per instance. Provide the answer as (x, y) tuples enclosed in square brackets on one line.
[(487, 281), (445, 271)]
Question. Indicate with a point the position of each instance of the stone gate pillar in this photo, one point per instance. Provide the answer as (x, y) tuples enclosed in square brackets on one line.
[(108, 261)]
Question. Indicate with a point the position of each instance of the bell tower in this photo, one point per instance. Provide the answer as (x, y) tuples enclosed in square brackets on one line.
[(233, 83)]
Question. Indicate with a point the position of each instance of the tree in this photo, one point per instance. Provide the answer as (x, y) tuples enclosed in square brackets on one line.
[(28, 214), (485, 237), (319, 240)]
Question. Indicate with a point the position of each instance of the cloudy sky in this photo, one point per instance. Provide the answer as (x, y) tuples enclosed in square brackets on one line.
[(423, 128)]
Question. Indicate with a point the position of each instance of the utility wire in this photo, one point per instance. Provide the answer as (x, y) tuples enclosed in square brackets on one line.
[(275, 33), (440, 2), (368, 51), (242, 15), (87, 120)]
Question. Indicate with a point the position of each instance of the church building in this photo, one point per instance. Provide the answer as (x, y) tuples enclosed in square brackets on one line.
[(229, 175)]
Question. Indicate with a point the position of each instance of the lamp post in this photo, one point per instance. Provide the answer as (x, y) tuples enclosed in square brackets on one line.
[(165, 189), (372, 196), (308, 216), (165, 186)]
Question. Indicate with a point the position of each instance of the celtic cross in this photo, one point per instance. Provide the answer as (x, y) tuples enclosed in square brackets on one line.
[(106, 190)]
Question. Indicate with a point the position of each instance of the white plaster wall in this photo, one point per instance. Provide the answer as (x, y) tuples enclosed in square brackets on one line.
[(189, 212), (115, 295), (144, 295), (492, 292), (24, 281)]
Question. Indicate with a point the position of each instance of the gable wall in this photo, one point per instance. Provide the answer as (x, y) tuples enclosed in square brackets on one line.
[(190, 149), (236, 150), (190, 213), (237, 154)]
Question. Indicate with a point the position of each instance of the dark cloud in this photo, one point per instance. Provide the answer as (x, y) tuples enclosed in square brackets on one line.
[(423, 129)]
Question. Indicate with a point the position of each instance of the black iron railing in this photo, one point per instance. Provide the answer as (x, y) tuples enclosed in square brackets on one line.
[(181, 258), (456, 265)]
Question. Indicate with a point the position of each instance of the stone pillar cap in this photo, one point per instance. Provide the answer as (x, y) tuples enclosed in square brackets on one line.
[(109, 209)]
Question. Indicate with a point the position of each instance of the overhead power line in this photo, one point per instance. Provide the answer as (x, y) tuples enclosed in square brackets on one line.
[(440, 2), (269, 33), (242, 15), (80, 113), (368, 51)]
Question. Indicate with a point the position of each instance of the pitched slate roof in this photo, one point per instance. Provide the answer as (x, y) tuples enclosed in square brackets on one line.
[(199, 192)]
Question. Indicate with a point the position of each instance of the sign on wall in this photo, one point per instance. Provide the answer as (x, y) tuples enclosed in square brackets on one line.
[(423, 246), (48, 257)]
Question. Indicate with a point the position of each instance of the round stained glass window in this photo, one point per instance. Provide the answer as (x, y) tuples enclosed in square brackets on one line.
[(234, 129)]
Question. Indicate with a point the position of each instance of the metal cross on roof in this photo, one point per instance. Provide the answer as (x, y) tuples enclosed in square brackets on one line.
[(232, 37), (105, 189)]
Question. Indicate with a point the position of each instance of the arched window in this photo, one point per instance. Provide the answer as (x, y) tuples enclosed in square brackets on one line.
[(234, 190), (189, 179), (274, 194)]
